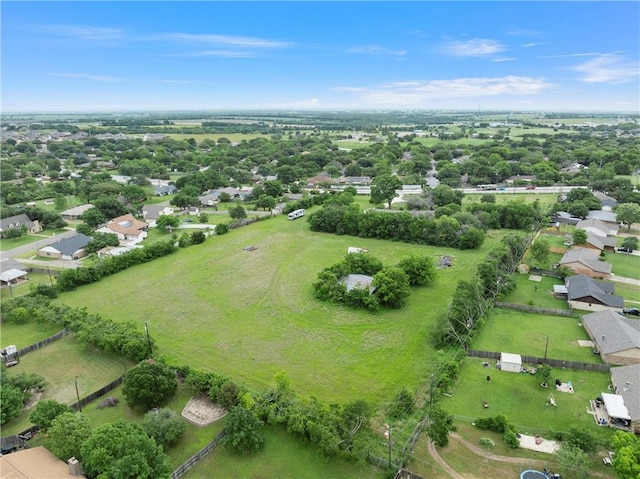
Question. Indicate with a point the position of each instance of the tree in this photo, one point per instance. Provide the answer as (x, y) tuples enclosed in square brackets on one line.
[(544, 373), (60, 202), (122, 450), (628, 213), (440, 424), (148, 384), (630, 243), (580, 437), (273, 189), (237, 213), (198, 237), (93, 217), (67, 433), (539, 251), (11, 401), (46, 411), (266, 202), (101, 240), (443, 195), (574, 460), (402, 405), (579, 236), (420, 269), (384, 189), (626, 461), (578, 209), (164, 426), (244, 431), (167, 222), (391, 287)]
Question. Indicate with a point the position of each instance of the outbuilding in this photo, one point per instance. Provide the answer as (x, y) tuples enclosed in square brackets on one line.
[(510, 362)]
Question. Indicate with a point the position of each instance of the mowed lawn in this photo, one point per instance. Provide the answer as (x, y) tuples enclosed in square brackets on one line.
[(23, 335), (250, 315), (521, 399), (523, 333), (535, 293), (625, 265)]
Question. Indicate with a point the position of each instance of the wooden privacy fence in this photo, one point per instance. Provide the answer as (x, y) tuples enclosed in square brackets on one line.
[(35, 346), (556, 363), (535, 309), (99, 393), (197, 457)]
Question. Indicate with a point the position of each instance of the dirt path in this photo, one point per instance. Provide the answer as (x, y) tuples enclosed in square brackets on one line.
[(446, 467)]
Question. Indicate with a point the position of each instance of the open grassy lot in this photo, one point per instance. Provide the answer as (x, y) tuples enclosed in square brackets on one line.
[(625, 265), (535, 293), (521, 399), (60, 363), (23, 335), (24, 287), (252, 314), (526, 333), (282, 457)]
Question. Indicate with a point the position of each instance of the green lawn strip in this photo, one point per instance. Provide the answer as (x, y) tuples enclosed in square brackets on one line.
[(545, 199), (535, 293), (624, 265), (283, 456), (23, 335), (521, 399), (630, 292), (252, 314), (526, 334)]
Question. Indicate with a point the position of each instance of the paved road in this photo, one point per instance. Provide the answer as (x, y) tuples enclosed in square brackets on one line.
[(44, 241)]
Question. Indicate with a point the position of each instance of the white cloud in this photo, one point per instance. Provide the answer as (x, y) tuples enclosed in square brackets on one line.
[(417, 92), (533, 44), (504, 59), (375, 50), (609, 68), (228, 40), (477, 47), (571, 55), (84, 32), (87, 76)]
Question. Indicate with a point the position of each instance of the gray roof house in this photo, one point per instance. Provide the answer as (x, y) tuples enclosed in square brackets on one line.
[(605, 216), (70, 248), (626, 383), (616, 337), (607, 203), (164, 190), (18, 221), (601, 242), (151, 213), (589, 294), (599, 227), (76, 212), (586, 261)]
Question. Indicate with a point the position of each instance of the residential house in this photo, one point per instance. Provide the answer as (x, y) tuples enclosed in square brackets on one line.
[(17, 222), (626, 383), (126, 227), (599, 243), (12, 276), (354, 180), (586, 261), (610, 218), (71, 248), (564, 218), (164, 190), (151, 213), (616, 338), (607, 203), (315, 181), (590, 294), (36, 463), (598, 227), (76, 212)]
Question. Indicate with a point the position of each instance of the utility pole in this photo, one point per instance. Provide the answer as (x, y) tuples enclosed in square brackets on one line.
[(75, 380), (546, 346), (387, 434), (146, 330)]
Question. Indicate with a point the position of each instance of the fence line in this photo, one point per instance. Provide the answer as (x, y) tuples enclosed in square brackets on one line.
[(557, 363), (34, 347), (535, 309), (96, 394), (52, 272), (545, 272), (197, 457)]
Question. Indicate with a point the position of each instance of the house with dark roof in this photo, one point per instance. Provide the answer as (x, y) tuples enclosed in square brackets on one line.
[(606, 216), (590, 294), (598, 227), (586, 261), (164, 190), (564, 218), (616, 337), (607, 203), (126, 227), (71, 248), (17, 222), (599, 243), (626, 383)]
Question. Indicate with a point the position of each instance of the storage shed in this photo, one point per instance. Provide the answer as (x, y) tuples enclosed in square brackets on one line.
[(510, 362)]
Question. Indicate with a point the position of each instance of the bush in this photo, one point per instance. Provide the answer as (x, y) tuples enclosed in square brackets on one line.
[(511, 439), (497, 424), (486, 442), (165, 426), (148, 385), (46, 411)]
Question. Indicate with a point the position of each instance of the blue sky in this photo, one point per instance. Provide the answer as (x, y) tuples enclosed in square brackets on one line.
[(115, 56)]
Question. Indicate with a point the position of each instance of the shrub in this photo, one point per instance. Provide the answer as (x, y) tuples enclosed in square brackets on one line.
[(486, 442), (497, 423), (511, 439)]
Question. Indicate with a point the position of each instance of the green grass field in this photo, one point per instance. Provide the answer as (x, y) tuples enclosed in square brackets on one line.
[(23, 335), (625, 265), (252, 314), (521, 399), (526, 333), (282, 457), (539, 293), (545, 199)]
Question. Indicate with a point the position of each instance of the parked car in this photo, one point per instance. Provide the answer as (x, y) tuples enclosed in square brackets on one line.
[(631, 311), (625, 250), (188, 220), (531, 187), (501, 188)]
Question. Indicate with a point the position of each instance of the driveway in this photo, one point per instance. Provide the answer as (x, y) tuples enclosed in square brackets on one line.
[(621, 279)]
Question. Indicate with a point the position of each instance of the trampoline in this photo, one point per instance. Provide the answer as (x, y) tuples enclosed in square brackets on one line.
[(531, 474)]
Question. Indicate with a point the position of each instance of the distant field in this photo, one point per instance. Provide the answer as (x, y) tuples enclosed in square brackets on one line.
[(235, 137), (545, 199), (252, 314)]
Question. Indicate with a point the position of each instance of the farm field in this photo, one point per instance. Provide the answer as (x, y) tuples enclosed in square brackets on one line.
[(521, 399), (523, 333), (250, 315)]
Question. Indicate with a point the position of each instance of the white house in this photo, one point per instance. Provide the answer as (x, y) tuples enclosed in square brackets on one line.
[(151, 213)]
